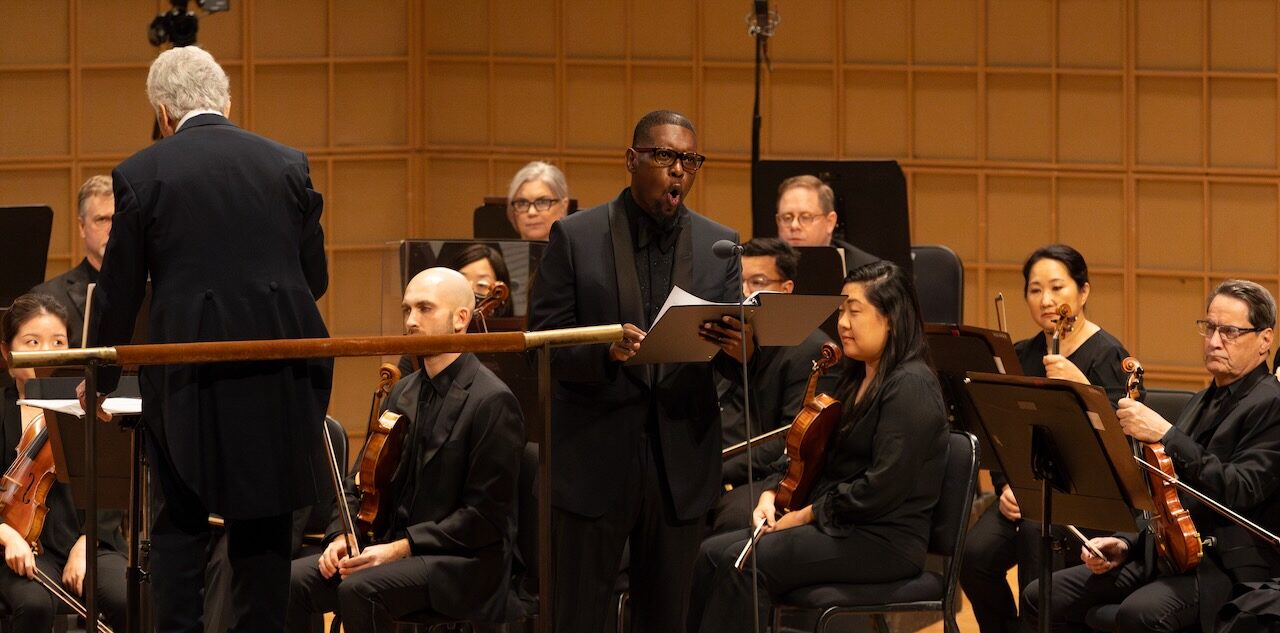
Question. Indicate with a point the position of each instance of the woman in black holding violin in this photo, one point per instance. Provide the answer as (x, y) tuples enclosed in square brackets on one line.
[(38, 322), (867, 518), (1054, 277)]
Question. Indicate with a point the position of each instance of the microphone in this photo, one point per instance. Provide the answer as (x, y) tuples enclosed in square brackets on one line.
[(762, 13), (724, 249), (762, 20)]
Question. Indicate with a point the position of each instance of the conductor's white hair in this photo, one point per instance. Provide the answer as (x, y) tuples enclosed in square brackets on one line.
[(187, 78)]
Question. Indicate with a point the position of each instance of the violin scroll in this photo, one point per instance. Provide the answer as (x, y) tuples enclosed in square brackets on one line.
[(1131, 366)]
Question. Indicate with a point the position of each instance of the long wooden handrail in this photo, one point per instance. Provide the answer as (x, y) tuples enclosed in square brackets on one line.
[(183, 353)]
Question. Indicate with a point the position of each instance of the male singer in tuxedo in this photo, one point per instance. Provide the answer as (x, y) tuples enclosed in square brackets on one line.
[(636, 448), (226, 225)]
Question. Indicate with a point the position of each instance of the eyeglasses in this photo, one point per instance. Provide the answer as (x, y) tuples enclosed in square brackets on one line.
[(1227, 332), (666, 157), (541, 204), (760, 281), (805, 218)]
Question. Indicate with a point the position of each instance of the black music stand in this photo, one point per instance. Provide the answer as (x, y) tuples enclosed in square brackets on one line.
[(1064, 435), (66, 433), (955, 350)]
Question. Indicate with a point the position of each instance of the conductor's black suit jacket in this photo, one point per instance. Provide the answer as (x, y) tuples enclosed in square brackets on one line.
[(226, 225), (600, 408)]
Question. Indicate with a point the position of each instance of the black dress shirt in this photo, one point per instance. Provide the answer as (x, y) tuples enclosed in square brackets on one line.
[(654, 240), (406, 480)]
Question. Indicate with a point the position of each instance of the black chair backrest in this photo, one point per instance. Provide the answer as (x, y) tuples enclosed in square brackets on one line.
[(939, 276), (1168, 402), (952, 512)]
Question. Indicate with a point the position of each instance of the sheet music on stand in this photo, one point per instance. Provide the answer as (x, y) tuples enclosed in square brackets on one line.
[(779, 319)]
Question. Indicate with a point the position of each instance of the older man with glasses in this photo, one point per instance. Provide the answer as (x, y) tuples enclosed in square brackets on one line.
[(807, 217), (1226, 444)]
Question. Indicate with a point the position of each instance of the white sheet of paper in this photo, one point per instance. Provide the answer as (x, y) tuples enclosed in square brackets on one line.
[(114, 406)]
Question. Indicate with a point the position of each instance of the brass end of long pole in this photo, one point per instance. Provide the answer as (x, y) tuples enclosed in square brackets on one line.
[(64, 357), (574, 336)]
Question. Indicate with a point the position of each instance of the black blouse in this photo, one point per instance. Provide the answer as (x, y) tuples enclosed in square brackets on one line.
[(883, 473), (1098, 358)]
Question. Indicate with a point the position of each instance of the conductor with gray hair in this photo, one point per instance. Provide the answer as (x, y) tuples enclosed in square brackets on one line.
[(226, 226)]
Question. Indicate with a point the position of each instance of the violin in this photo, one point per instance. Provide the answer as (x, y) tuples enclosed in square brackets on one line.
[(1064, 324), (808, 436), (1177, 539), (24, 489), (380, 458), (488, 304), (26, 483)]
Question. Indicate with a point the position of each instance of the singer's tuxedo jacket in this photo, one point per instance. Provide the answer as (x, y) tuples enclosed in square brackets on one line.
[(602, 410)]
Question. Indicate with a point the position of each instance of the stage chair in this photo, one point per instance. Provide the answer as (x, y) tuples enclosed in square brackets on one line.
[(939, 277), (929, 591)]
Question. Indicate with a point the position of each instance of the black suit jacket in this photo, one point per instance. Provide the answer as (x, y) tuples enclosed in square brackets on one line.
[(462, 519), (1235, 460), (226, 225), (600, 408), (70, 289)]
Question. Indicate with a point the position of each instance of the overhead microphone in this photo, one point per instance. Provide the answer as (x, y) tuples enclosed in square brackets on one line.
[(761, 21), (724, 249)]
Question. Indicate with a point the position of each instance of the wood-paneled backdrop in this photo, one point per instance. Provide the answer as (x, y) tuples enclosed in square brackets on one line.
[(1144, 132)]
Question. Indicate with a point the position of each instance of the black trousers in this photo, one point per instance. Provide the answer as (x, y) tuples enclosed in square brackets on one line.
[(786, 560), (257, 550), (1162, 604), (588, 553), (366, 601), (995, 544), (733, 510), (32, 607)]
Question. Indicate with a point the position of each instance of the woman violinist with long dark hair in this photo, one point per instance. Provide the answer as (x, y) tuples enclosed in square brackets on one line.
[(882, 476), (38, 322)]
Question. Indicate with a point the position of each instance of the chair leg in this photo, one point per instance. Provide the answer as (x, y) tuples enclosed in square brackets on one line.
[(623, 599)]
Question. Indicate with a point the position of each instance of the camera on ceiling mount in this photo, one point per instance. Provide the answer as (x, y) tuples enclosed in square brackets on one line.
[(178, 25)]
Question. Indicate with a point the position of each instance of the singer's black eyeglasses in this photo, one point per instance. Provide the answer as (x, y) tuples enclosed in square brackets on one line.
[(666, 157)]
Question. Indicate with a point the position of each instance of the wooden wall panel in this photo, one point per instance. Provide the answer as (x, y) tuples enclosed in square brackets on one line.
[(1091, 33), (1019, 217), (35, 113), (875, 32), (1020, 117), (1019, 32), (876, 113), (1242, 35), (945, 109), (1140, 131), (1242, 123)]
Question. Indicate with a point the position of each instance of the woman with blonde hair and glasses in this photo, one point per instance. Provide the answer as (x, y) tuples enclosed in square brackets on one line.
[(538, 196)]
